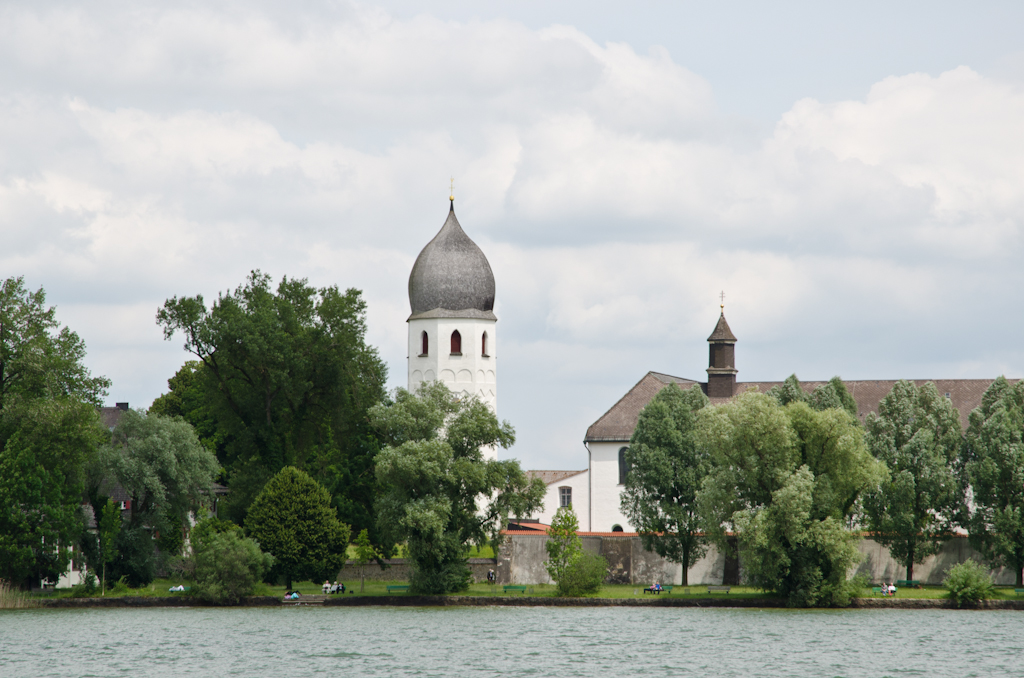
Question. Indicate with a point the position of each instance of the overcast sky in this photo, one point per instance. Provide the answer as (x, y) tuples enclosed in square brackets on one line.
[(852, 178)]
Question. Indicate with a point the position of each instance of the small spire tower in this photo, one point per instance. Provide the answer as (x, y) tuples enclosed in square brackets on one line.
[(722, 358)]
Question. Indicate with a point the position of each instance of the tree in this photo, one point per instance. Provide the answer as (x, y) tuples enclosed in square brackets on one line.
[(786, 480), (228, 566), (438, 493), (292, 518), (992, 465), (287, 378), (39, 358), (564, 545), (45, 445), (917, 434), (364, 554), (166, 473), (108, 527), (828, 396), (666, 469)]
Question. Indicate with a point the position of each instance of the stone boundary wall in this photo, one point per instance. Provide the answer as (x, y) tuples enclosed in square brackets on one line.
[(522, 556), (398, 570)]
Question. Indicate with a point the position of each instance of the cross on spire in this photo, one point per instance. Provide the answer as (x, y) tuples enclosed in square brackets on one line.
[(451, 189), (722, 298)]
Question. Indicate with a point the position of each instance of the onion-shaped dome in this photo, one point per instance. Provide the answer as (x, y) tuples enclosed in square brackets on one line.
[(451, 277)]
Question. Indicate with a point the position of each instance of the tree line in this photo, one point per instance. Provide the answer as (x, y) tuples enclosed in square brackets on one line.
[(794, 477), (284, 404)]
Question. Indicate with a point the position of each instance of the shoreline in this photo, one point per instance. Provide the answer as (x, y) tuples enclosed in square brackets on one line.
[(516, 601)]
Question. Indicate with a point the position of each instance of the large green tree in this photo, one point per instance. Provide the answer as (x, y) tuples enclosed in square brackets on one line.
[(165, 472), (833, 394), (46, 444), (993, 466), (439, 494), (284, 377), (786, 480), (666, 469), (917, 433), (293, 520), (39, 358)]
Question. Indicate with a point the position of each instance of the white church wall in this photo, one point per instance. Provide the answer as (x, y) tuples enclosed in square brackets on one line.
[(605, 488), (471, 372), (580, 486)]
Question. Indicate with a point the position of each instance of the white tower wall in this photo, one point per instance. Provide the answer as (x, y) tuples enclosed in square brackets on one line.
[(474, 372)]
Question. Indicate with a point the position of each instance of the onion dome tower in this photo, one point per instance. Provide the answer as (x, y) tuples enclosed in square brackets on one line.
[(722, 359), (452, 334)]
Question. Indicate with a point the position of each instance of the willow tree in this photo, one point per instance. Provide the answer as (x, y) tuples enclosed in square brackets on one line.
[(993, 467), (666, 469), (917, 434), (786, 479)]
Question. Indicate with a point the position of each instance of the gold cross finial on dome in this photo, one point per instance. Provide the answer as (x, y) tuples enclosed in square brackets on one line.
[(451, 190), (722, 298)]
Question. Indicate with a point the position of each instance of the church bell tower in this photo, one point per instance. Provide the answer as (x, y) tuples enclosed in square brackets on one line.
[(722, 359), (452, 335)]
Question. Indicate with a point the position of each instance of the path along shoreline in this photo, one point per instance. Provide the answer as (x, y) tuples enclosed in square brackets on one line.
[(513, 601)]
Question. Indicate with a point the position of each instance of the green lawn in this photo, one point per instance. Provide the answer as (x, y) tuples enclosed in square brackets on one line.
[(936, 592)]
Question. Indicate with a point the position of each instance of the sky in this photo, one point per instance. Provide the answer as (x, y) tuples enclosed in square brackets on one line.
[(850, 175)]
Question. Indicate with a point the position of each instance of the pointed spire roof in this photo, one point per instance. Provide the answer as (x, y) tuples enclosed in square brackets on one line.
[(451, 277), (722, 331)]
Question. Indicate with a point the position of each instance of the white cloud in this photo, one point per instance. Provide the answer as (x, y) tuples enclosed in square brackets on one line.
[(157, 151)]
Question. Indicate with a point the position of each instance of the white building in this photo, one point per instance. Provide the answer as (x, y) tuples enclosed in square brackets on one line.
[(452, 328)]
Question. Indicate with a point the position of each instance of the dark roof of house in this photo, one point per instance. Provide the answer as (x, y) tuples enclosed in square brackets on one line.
[(617, 424), (722, 331), (111, 415), (550, 477)]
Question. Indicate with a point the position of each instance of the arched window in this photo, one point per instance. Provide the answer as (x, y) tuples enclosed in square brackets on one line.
[(616, 528), (456, 343), (623, 466), (426, 344), (483, 345)]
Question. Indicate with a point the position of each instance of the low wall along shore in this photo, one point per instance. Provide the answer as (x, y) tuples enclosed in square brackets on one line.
[(521, 561)]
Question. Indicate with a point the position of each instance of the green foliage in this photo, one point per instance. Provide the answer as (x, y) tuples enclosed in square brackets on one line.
[(584, 574), (45, 444), (993, 465), (38, 358), (136, 558), (564, 545), (228, 566), (786, 479), (108, 529), (432, 475), (917, 434), (283, 378), (365, 552), (666, 469), (292, 518), (969, 583), (829, 396)]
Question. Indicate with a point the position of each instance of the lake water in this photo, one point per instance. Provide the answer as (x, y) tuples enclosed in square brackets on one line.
[(504, 641)]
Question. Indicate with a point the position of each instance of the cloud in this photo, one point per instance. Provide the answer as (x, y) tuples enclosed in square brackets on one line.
[(154, 151)]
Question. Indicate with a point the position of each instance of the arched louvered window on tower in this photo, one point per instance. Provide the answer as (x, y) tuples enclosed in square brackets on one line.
[(483, 345), (456, 343), (426, 344), (623, 466)]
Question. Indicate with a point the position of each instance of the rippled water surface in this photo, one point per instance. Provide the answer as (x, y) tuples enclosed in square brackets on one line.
[(502, 641)]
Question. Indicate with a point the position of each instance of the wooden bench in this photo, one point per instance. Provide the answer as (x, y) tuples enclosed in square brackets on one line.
[(718, 589), (876, 590), (397, 587), (1018, 591), (908, 583), (663, 589), (513, 588)]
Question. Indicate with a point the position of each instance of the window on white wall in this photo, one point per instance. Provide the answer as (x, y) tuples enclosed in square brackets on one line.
[(426, 344), (564, 496), (456, 343), (483, 345), (623, 466)]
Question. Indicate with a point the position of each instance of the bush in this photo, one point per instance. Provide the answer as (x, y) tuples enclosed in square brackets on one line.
[(228, 567), (87, 588), (968, 583), (583, 575)]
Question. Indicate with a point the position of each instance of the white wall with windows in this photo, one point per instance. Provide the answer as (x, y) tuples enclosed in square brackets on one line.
[(575, 489), (607, 474)]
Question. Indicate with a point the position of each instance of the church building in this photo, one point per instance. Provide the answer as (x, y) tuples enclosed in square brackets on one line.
[(452, 338)]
